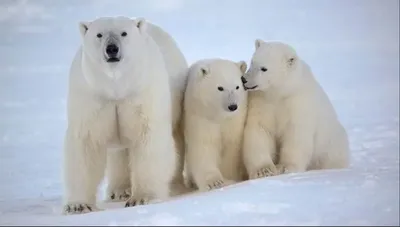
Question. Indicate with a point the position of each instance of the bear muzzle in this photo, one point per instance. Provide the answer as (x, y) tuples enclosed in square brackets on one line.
[(232, 107), (112, 53)]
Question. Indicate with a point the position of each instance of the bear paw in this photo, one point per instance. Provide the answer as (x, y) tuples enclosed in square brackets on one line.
[(79, 208), (119, 195), (265, 172), (215, 184), (137, 201), (286, 169)]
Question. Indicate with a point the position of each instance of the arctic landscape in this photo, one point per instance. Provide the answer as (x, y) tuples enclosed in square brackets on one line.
[(352, 47)]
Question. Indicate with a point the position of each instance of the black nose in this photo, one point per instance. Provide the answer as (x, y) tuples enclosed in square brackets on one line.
[(243, 80), (112, 50), (232, 107)]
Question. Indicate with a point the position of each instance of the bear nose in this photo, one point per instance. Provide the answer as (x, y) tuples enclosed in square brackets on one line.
[(243, 80), (112, 50), (232, 107)]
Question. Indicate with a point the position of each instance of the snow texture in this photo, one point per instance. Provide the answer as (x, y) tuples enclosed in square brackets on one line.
[(351, 45)]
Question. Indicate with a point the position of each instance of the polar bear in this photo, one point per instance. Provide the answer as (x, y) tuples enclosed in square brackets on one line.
[(215, 108), (291, 120), (118, 185), (119, 97)]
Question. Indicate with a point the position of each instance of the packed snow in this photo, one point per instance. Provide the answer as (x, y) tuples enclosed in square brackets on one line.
[(351, 45)]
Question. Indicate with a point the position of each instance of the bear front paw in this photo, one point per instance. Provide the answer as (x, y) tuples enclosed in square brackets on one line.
[(215, 184), (78, 208), (137, 201), (286, 169), (265, 172), (119, 195)]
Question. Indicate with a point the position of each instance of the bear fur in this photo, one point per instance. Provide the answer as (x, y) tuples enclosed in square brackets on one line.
[(118, 185), (291, 121), (215, 108), (119, 97)]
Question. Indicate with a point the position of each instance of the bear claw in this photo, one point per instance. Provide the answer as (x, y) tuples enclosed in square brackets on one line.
[(215, 184), (77, 208), (266, 172), (133, 201), (119, 195)]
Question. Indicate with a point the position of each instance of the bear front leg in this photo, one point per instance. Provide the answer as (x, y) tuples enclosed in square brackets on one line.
[(232, 167), (259, 149), (296, 149), (203, 166), (84, 165), (178, 185), (118, 175), (153, 163), (203, 143)]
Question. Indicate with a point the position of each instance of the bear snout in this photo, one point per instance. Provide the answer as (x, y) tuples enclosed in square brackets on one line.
[(232, 107), (112, 51), (243, 80)]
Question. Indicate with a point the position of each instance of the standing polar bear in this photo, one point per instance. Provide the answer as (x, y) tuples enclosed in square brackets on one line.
[(118, 187), (215, 108), (119, 96), (290, 117)]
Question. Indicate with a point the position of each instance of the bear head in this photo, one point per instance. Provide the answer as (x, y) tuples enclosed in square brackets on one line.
[(114, 43), (271, 66), (216, 85)]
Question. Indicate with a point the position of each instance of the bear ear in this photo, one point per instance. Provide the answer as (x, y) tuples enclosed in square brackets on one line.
[(242, 66), (292, 60), (141, 24), (204, 71), (83, 27), (258, 43)]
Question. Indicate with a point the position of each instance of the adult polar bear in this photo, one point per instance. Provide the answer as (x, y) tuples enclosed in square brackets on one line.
[(119, 95), (289, 116), (117, 170)]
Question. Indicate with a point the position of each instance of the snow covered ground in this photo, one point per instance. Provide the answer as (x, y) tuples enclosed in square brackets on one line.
[(351, 45)]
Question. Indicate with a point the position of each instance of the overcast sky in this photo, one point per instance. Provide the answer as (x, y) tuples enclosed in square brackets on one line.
[(44, 33)]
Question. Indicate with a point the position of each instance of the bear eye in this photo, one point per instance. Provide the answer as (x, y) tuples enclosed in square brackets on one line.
[(123, 34), (99, 35), (220, 88), (237, 87), (264, 69)]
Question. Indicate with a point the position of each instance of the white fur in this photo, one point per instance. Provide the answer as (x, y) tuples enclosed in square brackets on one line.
[(291, 120), (125, 104), (177, 67), (213, 134)]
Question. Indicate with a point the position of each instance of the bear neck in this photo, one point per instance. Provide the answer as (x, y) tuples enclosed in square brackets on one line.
[(117, 86)]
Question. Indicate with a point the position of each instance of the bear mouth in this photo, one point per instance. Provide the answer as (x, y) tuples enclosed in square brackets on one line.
[(113, 59), (250, 88)]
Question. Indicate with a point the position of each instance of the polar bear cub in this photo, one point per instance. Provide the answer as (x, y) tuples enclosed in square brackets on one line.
[(215, 108), (119, 96), (291, 120), (118, 185)]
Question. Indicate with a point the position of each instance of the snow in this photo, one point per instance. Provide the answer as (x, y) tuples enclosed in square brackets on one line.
[(352, 47)]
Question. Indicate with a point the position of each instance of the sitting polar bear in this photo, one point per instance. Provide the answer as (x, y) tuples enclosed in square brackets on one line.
[(119, 96), (119, 186), (290, 117), (215, 108)]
